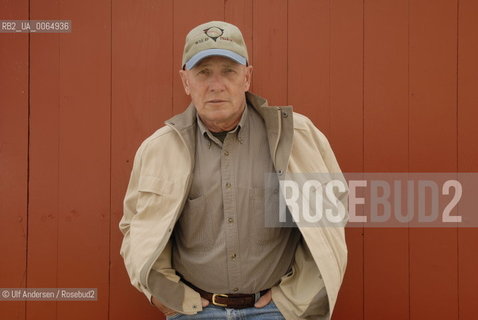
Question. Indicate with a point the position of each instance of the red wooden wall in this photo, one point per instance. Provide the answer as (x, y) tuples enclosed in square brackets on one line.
[(392, 83)]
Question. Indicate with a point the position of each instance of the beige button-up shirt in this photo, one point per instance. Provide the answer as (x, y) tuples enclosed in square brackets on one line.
[(221, 243)]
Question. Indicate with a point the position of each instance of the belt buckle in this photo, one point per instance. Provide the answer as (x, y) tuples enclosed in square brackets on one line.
[(214, 295)]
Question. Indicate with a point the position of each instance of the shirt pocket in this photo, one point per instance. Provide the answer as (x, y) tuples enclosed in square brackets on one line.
[(264, 210), (194, 229)]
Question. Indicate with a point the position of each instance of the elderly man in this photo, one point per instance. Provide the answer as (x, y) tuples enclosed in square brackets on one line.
[(195, 242)]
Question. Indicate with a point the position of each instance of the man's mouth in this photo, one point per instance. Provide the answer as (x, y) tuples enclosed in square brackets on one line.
[(216, 101)]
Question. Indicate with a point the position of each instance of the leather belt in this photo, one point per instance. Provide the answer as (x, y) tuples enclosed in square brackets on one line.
[(230, 300)]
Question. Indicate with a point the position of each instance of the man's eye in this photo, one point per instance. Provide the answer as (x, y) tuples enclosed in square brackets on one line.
[(204, 71)]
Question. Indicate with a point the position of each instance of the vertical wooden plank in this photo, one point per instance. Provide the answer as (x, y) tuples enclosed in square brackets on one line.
[(467, 150), (467, 84), (187, 15), (312, 31), (84, 193), (270, 23), (239, 13), (13, 157), (346, 132), (44, 160), (308, 56), (141, 101), (432, 141), (386, 271), (80, 204), (346, 83)]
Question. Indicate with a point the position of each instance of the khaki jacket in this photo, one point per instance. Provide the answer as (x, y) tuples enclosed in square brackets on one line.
[(159, 186)]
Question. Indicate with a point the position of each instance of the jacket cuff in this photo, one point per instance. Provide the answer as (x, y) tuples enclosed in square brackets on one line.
[(147, 294), (174, 294)]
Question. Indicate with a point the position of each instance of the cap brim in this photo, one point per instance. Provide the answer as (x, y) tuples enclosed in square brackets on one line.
[(214, 52)]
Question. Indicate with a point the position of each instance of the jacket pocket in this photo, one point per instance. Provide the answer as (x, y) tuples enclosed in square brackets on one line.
[(263, 213), (150, 191), (154, 185)]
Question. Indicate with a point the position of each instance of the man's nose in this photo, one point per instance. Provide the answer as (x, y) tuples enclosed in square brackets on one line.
[(216, 83)]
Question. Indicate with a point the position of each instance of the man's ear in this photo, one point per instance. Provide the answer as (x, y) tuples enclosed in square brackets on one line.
[(184, 78), (248, 78)]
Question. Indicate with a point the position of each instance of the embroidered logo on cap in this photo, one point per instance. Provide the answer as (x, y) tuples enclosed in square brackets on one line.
[(214, 32)]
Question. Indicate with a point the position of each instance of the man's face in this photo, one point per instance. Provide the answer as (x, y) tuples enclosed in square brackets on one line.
[(217, 86)]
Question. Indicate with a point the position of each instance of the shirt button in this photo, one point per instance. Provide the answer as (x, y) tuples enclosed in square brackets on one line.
[(235, 289), (226, 153), (230, 220), (228, 185), (233, 256)]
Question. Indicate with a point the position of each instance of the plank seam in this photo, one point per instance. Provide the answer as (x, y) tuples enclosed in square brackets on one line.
[(363, 153), (108, 310), (408, 153), (28, 164), (457, 152)]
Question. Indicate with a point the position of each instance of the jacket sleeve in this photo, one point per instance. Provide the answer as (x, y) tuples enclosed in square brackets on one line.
[(332, 165), (321, 256), (129, 210), (162, 282), (330, 161)]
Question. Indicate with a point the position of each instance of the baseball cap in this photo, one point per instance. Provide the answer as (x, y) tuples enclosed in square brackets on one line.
[(214, 38)]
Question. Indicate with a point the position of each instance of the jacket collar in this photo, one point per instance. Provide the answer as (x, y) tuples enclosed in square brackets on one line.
[(280, 129), (278, 122)]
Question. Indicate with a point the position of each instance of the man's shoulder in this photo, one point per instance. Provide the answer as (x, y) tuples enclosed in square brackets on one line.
[(160, 133), (305, 125), (161, 136), (302, 122)]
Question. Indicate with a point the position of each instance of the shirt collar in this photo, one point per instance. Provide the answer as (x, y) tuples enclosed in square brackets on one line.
[(206, 133)]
